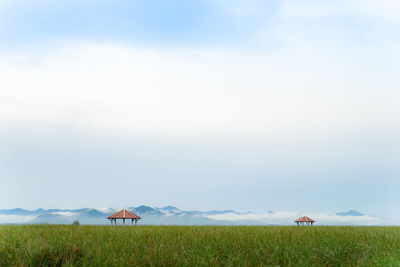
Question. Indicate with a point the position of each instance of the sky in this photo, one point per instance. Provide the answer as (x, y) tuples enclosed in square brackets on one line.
[(283, 105)]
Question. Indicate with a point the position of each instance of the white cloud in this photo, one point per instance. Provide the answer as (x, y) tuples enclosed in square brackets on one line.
[(314, 9), (5, 219), (288, 218), (64, 213), (131, 89), (104, 210), (335, 25)]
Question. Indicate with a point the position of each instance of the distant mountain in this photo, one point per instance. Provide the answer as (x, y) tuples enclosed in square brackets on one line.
[(52, 219), (218, 212), (17, 212), (170, 215), (157, 216), (350, 213), (146, 210), (170, 208)]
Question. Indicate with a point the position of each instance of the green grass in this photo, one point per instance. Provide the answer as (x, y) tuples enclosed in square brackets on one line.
[(55, 245)]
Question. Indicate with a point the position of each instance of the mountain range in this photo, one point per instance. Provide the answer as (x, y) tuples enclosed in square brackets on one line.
[(170, 215)]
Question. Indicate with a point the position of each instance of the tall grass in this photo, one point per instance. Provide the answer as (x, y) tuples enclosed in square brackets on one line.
[(57, 245)]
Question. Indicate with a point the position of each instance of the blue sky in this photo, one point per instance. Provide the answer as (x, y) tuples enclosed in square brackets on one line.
[(154, 23), (247, 105)]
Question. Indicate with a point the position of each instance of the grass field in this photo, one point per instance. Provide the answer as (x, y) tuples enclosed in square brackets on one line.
[(36, 245)]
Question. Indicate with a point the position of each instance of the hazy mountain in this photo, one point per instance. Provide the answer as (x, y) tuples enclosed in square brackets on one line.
[(146, 210), (215, 212), (170, 208), (350, 213), (18, 212), (52, 219), (170, 215), (166, 215)]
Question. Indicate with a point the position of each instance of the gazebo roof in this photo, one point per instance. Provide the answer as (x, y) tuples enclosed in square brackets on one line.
[(124, 214), (305, 219)]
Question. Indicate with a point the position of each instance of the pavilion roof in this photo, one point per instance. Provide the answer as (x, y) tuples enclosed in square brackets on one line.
[(124, 214), (304, 219)]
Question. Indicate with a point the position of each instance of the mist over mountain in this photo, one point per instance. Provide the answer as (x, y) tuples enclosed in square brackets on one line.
[(170, 215), (350, 213)]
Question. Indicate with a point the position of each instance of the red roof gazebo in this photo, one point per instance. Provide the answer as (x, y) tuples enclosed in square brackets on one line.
[(123, 214), (304, 221)]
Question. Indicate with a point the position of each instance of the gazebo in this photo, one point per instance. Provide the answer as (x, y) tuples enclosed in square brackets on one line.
[(305, 221), (123, 214)]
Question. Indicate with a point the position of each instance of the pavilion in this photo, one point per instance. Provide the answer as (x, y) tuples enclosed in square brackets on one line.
[(305, 221), (122, 215)]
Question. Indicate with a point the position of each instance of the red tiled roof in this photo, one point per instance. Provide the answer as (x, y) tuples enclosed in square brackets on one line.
[(124, 214), (305, 219)]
